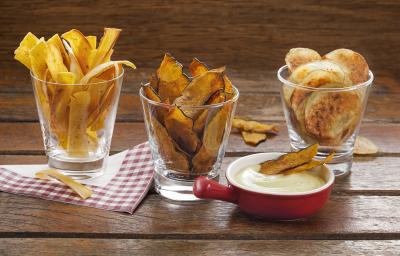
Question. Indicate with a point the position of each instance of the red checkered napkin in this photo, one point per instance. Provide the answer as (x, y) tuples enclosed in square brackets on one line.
[(123, 193)]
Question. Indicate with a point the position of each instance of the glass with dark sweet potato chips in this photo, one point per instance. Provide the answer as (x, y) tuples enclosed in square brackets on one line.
[(188, 120)]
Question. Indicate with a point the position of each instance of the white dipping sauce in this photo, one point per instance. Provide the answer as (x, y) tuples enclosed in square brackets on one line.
[(297, 182)]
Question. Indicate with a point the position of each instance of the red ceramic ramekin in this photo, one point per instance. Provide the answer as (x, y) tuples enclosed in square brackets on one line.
[(288, 206)]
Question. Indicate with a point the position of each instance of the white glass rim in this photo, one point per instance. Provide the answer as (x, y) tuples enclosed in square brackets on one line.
[(62, 84), (165, 105), (339, 89)]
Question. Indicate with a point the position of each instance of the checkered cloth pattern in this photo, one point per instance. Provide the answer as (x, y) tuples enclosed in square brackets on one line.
[(123, 193)]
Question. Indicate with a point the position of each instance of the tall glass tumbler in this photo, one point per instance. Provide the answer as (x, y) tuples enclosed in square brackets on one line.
[(77, 122), (329, 115), (184, 148)]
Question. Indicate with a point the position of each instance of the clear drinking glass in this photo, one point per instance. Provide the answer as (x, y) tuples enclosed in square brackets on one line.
[(77, 122), (184, 150), (326, 115)]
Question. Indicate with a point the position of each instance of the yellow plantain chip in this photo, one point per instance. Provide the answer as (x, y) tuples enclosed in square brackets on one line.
[(97, 90), (173, 157), (212, 141), (80, 47), (106, 44), (74, 65), (253, 138), (253, 126), (108, 56), (180, 128), (197, 67), (66, 77), (22, 52), (29, 41), (56, 41), (38, 59), (289, 160), (105, 102), (60, 108), (78, 120), (83, 191), (364, 146), (200, 90), (92, 41), (172, 80), (310, 165), (54, 61), (104, 67), (93, 139)]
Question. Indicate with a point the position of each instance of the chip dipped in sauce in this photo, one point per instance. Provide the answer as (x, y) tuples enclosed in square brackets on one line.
[(251, 177)]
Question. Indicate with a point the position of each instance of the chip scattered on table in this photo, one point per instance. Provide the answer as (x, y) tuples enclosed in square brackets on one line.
[(364, 146), (253, 132)]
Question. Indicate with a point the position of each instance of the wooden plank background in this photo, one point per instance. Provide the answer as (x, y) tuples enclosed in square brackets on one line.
[(251, 39)]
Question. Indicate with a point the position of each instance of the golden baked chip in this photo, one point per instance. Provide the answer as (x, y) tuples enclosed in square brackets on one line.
[(299, 56), (331, 117), (253, 138), (180, 128), (171, 79), (310, 165), (317, 78), (299, 74), (253, 126), (197, 67), (289, 160), (364, 146), (354, 64)]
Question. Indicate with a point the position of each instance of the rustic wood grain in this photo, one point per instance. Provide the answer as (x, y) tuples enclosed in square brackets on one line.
[(343, 217), (26, 138), (369, 176), (240, 34), (251, 39), (87, 247), (259, 106), (16, 80), (363, 179)]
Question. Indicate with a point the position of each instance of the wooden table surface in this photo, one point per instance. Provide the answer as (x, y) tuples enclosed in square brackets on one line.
[(251, 39)]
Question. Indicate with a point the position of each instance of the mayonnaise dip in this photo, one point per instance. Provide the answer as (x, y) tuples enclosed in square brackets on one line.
[(297, 182)]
